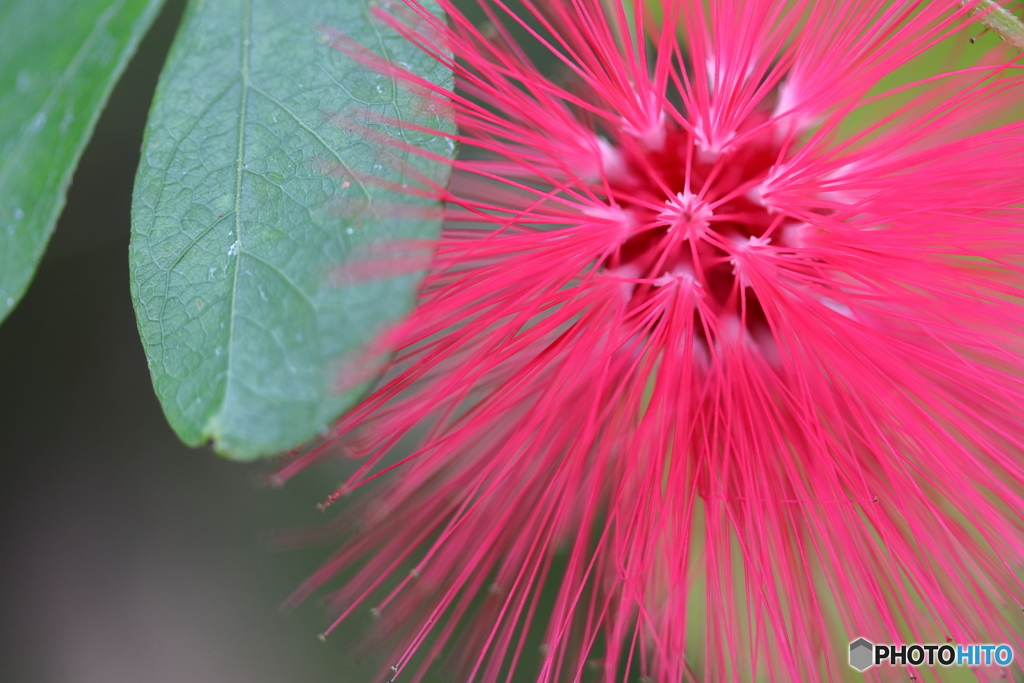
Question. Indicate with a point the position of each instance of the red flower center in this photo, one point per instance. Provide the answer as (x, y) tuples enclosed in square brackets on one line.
[(697, 213)]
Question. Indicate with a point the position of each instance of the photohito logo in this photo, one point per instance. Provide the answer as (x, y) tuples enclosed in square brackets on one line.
[(864, 655)]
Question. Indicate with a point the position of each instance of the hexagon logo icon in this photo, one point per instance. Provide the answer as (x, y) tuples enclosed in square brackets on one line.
[(861, 654)]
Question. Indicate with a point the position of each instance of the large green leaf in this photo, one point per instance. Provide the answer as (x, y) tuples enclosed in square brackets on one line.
[(239, 218), (59, 61)]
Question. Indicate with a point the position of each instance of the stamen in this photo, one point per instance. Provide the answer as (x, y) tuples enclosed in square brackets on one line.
[(687, 212)]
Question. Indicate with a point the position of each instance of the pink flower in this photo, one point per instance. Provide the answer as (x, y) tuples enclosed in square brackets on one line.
[(720, 349)]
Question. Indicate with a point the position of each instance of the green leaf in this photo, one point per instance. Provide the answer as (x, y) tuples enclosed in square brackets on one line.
[(1006, 24), (238, 220), (59, 61)]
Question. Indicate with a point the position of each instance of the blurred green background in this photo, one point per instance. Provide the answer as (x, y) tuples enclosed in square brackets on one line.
[(126, 556)]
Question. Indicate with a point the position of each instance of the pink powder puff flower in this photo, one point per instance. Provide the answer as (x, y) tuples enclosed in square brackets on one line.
[(720, 348)]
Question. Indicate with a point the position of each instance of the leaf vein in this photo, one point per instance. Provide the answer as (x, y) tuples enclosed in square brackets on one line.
[(239, 168)]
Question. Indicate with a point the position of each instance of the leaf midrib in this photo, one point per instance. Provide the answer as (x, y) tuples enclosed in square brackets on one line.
[(214, 422)]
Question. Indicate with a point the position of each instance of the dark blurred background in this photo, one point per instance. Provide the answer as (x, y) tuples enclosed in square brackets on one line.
[(124, 555)]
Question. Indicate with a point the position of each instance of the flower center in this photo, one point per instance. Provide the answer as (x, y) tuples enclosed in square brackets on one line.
[(699, 217)]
